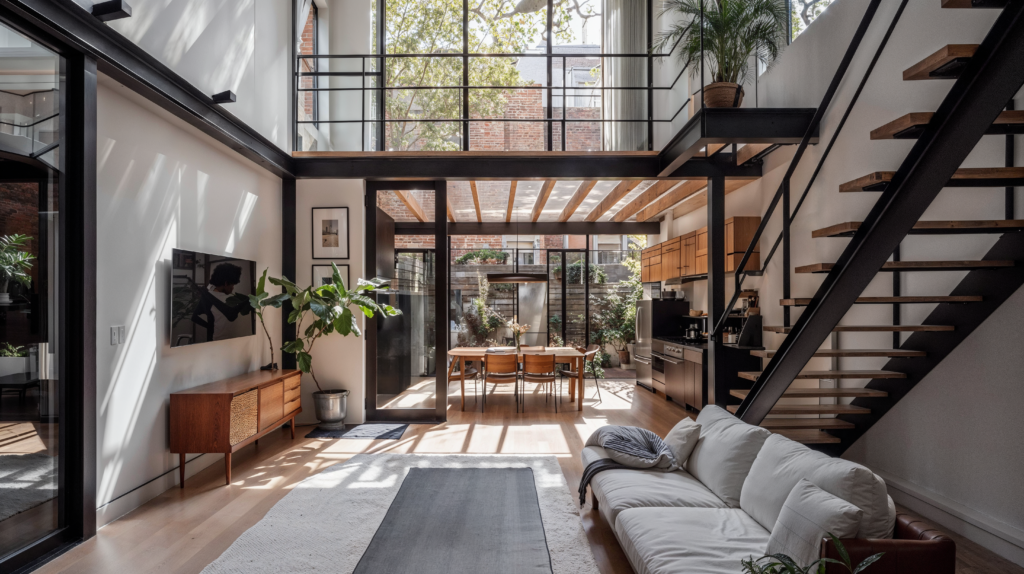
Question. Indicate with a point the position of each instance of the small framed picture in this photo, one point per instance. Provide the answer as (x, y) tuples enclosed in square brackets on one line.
[(323, 274), (330, 233)]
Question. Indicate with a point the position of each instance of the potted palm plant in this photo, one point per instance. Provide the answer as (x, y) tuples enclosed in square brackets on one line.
[(321, 311), (15, 263), (734, 31)]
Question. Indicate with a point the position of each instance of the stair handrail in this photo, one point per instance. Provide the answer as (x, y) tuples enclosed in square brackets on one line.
[(812, 128)]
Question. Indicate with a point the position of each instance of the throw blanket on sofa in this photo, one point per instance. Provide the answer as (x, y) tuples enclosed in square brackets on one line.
[(628, 447)]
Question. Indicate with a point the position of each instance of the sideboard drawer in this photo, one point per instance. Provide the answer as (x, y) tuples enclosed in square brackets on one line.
[(243, 417), (271, 404), (292, 383), (291, 395), (291, 405)]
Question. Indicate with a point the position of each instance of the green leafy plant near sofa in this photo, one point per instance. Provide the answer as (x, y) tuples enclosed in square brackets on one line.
[(782, 564)]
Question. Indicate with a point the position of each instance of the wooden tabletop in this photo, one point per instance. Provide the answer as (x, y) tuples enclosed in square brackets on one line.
[(475, 352)]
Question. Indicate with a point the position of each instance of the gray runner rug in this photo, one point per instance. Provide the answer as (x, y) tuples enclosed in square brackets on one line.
[(461, 520)]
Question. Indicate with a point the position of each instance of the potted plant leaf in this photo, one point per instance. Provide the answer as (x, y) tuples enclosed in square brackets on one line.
[(318, 312), (259, 302), (734, 32), (15, 263)]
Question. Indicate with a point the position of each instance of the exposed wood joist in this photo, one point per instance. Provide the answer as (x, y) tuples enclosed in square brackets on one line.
[(476, 200), (750, 151), (542, 199), (511, 200), (699, 200), (621, 190), (644, 199), (451, 212), (413, 205), (679, 193), (577, 198), (528, 228)]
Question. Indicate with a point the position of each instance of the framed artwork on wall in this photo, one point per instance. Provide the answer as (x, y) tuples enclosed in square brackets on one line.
[(323, 274), (330, 233)]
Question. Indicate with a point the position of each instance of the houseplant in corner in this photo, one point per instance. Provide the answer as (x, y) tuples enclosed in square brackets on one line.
[(321, 311), (259, 302), (15, 263), (734, 31)]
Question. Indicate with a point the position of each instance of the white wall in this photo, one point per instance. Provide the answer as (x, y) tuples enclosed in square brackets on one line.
[(162, 184), (217, 45), (339, 362)]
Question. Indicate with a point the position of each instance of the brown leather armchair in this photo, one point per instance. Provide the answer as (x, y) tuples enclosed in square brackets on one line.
[(917, 547)]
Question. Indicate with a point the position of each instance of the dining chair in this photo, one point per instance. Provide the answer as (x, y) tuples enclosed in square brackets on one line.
[(540, 369), (471, 371), (501, 369), (588, 355)]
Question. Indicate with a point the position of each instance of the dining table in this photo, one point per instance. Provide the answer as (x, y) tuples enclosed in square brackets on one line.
[(571, 356)]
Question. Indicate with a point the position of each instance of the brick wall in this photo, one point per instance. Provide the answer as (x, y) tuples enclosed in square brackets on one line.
[(19, 213), (306, 47)]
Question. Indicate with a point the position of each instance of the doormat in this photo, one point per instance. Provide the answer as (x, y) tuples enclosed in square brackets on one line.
[(363, 431)]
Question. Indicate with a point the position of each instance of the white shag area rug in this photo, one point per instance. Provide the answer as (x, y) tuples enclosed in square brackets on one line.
[(26, 481), (327, 521)]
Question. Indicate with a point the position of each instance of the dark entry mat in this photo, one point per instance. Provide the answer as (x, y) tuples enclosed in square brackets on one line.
[(461, 520), (365, 431)]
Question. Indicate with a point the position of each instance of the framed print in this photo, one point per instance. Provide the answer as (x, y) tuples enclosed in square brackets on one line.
[(323, 274), (330, 233)]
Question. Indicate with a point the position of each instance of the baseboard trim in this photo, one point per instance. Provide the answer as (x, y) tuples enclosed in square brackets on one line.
[(999, 537), (131, 500)]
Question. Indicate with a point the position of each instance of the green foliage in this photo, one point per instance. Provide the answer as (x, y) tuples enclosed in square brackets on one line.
[(9, 350), (15, 262), (783, 564), (733, 31), (260, 301), (805, 12), (575, 271), (328, 309), (481, 255), (613, 319)]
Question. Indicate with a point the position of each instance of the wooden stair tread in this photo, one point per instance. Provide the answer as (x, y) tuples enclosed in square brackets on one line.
[(974, 3), (946, 63), (844, 374), (802, 302), (848, 228), (910, 125), (809, 436), (874, 328), (812, 410), (918, 266), (818, 393), (776, 424), (963, 177), (767, 354)]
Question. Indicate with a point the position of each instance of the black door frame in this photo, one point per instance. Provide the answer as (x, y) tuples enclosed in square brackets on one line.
[(76, 363), (440, 228)]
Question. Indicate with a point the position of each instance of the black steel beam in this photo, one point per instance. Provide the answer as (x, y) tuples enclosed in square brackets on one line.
[(288, 263), (538, 228), (717, 368), (130, 65), (990, 80)]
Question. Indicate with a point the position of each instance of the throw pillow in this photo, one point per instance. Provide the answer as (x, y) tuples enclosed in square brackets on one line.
[(808, 515), (682, 438)]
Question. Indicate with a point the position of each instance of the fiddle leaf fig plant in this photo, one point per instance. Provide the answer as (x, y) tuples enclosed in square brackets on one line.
[(260, 301), (320, 311)]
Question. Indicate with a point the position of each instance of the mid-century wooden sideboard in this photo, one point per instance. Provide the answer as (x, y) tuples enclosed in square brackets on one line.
[(224, 416)]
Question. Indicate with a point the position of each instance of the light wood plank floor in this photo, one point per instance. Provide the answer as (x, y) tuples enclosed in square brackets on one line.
[(183, 530)]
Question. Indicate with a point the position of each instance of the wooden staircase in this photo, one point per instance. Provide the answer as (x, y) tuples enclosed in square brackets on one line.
[(845, 413)]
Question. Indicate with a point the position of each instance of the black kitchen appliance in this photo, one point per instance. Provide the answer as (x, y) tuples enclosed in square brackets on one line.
[(656, 318)]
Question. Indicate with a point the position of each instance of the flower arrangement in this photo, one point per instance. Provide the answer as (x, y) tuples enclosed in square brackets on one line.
[(517, 330)]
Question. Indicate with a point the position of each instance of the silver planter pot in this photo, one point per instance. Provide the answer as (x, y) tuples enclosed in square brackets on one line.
[(330, 407)]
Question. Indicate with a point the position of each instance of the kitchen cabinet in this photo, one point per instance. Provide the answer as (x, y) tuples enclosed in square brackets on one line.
[(675, 377)]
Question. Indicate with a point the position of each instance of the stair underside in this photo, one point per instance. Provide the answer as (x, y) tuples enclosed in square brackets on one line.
[(812, 410), (809, 436), (818, 393), (777, 424), (931, 228), (802, 302), (946, 63), (974, 3), (917, 266), (964, 177), (767, 354), (874, 328), (846, 374), (911, 125)]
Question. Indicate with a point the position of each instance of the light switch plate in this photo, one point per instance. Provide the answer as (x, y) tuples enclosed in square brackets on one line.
[(120, 335), (113, 335)]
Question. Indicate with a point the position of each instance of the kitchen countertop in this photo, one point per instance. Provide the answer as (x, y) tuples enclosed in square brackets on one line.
[(700, 347)]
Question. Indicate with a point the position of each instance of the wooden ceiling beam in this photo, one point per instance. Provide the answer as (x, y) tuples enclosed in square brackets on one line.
[(542, 199), (476, 201), (644, 199), (511, 201), (451, 212), (699, 200), (671, 198), (411, 203), (614, 196), (577, 198)]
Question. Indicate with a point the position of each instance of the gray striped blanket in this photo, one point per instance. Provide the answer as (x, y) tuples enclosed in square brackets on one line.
[(627, 447)]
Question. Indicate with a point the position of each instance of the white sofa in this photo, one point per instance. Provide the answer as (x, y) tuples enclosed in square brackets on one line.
[(722, 507)]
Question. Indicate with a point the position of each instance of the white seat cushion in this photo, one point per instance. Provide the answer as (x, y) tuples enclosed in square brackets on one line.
[(809, 515), (618, 490), (783, 462), (689, 540), (724, 453)]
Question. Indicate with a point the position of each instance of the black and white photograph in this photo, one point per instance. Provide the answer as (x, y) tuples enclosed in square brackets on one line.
[(323, 275), (330, 233)]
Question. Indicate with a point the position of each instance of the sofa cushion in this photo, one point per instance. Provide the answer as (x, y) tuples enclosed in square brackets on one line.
[(809, 515), (618, 490), (689, 540), (724, 453), (591, 454), (682, 439), (783, 462)]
